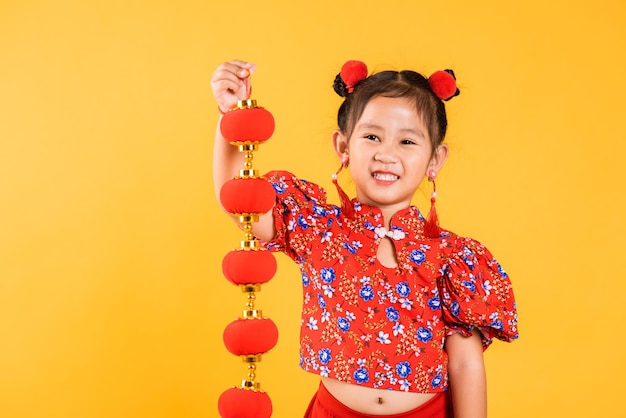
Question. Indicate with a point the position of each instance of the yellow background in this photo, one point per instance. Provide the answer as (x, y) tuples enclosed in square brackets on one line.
[(112, 300)]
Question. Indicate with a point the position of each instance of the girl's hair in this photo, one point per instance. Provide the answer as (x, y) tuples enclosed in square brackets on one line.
[(404, 84)]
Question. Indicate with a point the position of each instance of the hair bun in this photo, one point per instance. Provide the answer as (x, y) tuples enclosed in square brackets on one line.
[(340, 87), (443, 84)]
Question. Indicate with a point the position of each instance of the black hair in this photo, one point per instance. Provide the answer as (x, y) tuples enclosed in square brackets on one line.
[(396, 84)]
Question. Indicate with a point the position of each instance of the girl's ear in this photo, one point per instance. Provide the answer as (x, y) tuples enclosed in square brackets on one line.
[(439, 158), (340, 144)]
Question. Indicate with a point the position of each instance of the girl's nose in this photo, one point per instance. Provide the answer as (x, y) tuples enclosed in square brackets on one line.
[(385, 155)]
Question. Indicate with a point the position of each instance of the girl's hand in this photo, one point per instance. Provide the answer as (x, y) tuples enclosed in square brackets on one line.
[(229, 83)]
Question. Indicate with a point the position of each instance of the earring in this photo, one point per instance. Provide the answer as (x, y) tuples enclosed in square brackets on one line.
[(431, 228), (344, 164), (346, 203)]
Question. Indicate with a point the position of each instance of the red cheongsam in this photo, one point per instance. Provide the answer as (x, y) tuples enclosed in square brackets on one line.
[(376, 326)]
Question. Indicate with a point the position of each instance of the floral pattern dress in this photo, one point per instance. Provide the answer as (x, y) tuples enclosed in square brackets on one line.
[(381, 327)]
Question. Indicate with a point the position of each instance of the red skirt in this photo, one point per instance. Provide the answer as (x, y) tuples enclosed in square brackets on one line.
[(325, 405)]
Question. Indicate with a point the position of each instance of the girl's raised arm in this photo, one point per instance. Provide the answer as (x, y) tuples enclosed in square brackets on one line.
[(228, 84)]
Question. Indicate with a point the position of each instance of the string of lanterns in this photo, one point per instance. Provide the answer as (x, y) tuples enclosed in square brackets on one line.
[(247, 197)]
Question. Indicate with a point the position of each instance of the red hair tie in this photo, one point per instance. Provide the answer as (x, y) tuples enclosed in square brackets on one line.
[(352, 72), (443, 84)]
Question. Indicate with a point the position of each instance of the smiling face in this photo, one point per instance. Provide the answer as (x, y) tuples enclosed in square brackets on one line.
[(389, 153)]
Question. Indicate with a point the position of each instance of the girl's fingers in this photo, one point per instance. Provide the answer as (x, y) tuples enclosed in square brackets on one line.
[(239, 69), (228, 82), (226, 74), (245, 68)]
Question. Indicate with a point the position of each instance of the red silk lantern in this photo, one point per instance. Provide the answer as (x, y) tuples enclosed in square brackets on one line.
[(245, 337), (247, 123), (247, 195), (249, 267), (244, 403)]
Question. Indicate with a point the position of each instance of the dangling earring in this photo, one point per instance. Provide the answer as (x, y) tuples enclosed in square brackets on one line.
[(431, 228), (346, 203), (344, 164)]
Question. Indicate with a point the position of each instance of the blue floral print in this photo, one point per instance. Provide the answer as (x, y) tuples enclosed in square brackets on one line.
[(436, 381), (279, 187), (403, 289), (302, 222), (366, 293), (468, 257), (403, 369), (501, 270), (343, 324), (418, 256), (321, 301), (497, 325), (392, 314), (434, 303), (324, 355), (455, 308), (305, 279), (424, 334), (351, 249), (328, 275), (469, 285), (319, 210), (361, 376)]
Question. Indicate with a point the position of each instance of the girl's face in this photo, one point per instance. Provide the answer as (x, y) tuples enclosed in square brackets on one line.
[(389, 153)]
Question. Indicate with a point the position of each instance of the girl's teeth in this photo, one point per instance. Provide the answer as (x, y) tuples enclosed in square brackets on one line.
[(385, 177)]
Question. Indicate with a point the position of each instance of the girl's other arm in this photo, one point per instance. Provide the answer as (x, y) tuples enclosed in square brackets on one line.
[(466, 369), (228, 84)]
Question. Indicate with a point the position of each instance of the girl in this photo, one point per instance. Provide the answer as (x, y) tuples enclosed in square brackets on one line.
[(396, 311)]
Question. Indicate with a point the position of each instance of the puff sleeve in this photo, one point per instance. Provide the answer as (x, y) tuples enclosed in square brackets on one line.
[(477, 293), (300, 213)]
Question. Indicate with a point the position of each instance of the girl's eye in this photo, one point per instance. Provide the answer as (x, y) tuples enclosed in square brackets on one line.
[(371, 137), (407, 142)]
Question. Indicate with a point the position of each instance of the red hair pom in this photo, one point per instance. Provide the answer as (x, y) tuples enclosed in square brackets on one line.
[(443, 84), (352, 72)]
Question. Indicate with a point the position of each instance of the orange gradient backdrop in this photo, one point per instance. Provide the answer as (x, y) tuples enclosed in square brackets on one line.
[(112, 300)]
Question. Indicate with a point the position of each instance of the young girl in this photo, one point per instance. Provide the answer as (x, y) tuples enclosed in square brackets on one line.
[(396, 311)]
